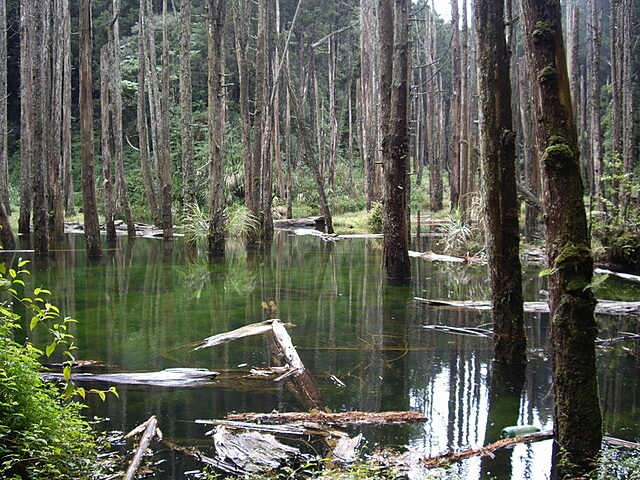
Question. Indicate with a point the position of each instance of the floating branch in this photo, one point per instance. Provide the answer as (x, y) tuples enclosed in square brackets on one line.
[(472, 331), (170, 378), (341, 418), (150, 431), (242, 332)]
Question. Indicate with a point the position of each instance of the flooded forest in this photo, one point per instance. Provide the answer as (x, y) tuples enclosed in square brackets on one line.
[(292, 239)]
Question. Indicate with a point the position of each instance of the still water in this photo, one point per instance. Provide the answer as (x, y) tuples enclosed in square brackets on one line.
[(142, 305)]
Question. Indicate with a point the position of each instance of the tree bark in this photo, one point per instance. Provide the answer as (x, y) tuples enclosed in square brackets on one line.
[(594, 43), (143, 132), (498, 160), (115, 89), (105, 140), (26, 113), (216, 241), (67, 177), (454, 120), (394, 65), (577, 419), (89, 203), (4, 129), (186, 106)]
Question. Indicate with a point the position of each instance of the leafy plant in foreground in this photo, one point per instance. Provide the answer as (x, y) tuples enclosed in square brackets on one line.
[(42, 433)]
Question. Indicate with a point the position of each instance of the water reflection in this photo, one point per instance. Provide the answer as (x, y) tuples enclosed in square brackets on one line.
[(145, 300)]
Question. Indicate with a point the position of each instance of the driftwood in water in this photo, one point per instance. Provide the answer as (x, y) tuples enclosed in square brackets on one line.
[(341, 418), (252, 451), (169, 378), (626, 276), (487, 450), (436, 257), (471, 331), (150, 428), (308, 222), (242, 332), (608, 307)]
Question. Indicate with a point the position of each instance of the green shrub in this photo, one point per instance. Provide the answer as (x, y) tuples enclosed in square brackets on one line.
[(374, 222), (42, 433)]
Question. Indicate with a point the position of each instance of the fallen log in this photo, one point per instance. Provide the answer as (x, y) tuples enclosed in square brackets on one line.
[(326, 418), (169, 378), (606, 307), (150, 429), (242, 332)]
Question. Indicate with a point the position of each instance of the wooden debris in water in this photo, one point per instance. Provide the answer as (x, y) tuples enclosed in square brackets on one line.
[(436, 257), (170, 378), (326, 418), (242, 332), (289, 429), (252, 451), (607, 307), (346, 449), (150, 429), (471, 331), (626, 276), (487, 450)]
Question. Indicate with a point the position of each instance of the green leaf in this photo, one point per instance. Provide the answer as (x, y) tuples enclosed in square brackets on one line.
[(33, 323), (114, 391), (100, 393), (547, 271), (66, 371), (50, 348), (22, 263), (81, 391)]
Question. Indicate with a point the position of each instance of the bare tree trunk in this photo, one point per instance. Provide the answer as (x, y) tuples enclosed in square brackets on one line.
[(594, 44), (115, 88), (498, 159), (89, 203), (241, 17), (4, 130), (67, 177), (577, 419), (164, 154), (367, 93), (56, 185), (454, 120), (332, 58), (41, 129), (27, 33), (629, 134), (393, 34), (143, 133), (435, 116), (617, 60), (464, 146), (105, 140), (186, 106), (217, 10), (7, 240)]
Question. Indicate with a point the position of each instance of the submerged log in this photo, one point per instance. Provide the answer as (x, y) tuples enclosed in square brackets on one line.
[(252, 451), (436, 257), (171, 378), (626, 276), (607, 307), (326, 418)]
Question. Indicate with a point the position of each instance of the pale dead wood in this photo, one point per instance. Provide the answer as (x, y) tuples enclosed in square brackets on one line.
[(149, 433), (169, 378), (607, 307), (326, 418), (242, 332), (626, 276)]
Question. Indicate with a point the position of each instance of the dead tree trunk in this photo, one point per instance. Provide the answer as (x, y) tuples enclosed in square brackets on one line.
[(498, 159), (105, 140), (89, 203), (216, 240)]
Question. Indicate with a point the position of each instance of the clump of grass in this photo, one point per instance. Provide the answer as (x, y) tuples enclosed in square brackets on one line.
[(240, 222)]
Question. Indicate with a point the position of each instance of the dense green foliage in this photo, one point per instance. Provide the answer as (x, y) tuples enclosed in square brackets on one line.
[(42, 432)]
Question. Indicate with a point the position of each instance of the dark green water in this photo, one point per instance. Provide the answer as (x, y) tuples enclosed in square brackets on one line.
[(143, 302)]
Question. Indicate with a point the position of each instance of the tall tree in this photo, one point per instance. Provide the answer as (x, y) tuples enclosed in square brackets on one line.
[(41, 128), (89, 203), (115, 88), (105, 140), (216, 24), (27, 30), (456, 108), (148, 172), (186, 106), (498, 160), (165, 178), (56, 126), (577, 415), (4, 130), (393, 34)]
